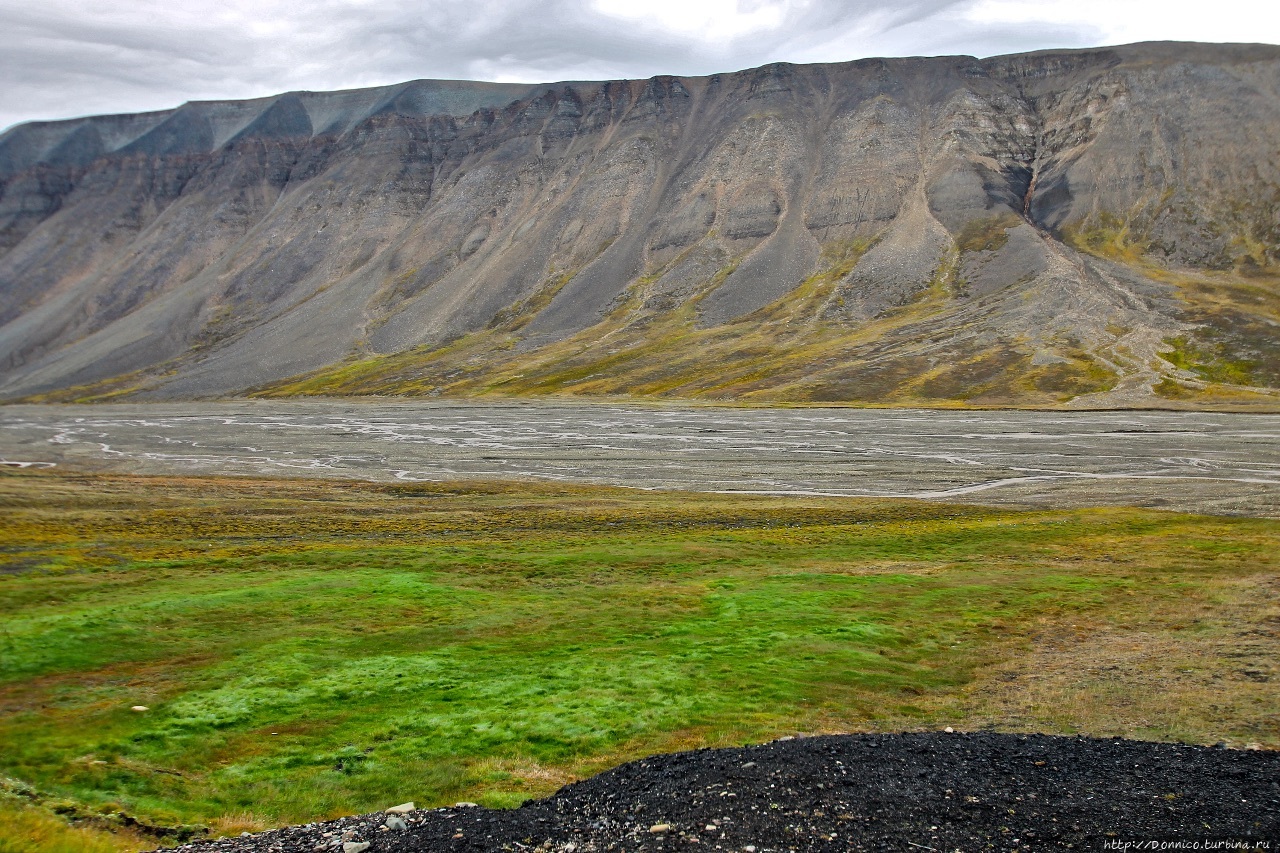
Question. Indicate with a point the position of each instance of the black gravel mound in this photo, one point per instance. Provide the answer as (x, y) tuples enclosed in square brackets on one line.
[(907, 792)]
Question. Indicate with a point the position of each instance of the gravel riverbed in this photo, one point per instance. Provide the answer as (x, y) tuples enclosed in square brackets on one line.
[(1189, 461), (937, 791)]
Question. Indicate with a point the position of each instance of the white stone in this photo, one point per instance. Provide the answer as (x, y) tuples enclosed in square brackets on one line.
[(403, 808)]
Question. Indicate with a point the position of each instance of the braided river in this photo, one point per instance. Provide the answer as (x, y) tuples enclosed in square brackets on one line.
[(1194, 461)]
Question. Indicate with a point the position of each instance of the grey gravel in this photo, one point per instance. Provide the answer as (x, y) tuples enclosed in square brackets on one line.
[(1191, 461)]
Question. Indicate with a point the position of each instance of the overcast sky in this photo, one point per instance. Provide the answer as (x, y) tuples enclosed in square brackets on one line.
[(62, 58)]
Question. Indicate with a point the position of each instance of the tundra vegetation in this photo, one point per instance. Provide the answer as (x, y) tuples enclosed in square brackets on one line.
[(310, 649)]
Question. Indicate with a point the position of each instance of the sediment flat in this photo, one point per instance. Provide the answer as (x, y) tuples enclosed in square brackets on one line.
[(1190, 461)]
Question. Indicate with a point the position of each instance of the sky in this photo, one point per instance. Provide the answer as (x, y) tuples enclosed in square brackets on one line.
[(64, 58)]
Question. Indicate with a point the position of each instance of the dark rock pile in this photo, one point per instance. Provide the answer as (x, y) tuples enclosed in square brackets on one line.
[(909, 792)]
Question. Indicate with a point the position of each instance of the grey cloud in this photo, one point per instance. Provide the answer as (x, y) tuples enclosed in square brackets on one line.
[(59, 62)]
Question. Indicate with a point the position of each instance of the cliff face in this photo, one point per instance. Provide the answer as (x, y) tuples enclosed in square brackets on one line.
[(1093, 227)]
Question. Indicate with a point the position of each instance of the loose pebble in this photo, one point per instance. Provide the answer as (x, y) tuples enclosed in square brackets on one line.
[(811, 788), (403, 808), (140, 708)]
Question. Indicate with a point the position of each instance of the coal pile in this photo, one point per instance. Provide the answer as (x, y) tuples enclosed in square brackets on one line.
[(908, 792)]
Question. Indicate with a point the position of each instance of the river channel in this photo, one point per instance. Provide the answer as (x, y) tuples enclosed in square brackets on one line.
[(1221, 463)]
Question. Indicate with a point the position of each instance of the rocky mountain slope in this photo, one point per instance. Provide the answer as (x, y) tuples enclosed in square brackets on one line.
[(1088, 228)]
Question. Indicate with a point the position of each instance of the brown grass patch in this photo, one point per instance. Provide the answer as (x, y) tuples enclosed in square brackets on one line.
[(1199, 666)]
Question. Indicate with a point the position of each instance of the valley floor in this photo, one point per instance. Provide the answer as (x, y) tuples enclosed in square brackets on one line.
[(307, 649), (1214, 462)]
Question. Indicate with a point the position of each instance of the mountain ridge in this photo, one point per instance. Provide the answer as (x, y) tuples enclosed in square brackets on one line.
[(1095, 227), (458, 98)]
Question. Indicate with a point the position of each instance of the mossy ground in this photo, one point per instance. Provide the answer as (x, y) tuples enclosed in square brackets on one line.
[(309, 649), (26, 828)]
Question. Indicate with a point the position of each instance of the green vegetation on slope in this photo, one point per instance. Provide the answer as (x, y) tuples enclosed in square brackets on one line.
[(26, 829), (803, 348), (943, 346), (1231, 347), (309, 649), (1235, 341), (799, 348), (988, 234)]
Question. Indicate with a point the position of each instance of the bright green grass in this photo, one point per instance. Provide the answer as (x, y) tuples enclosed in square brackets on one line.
[(309, 650)]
